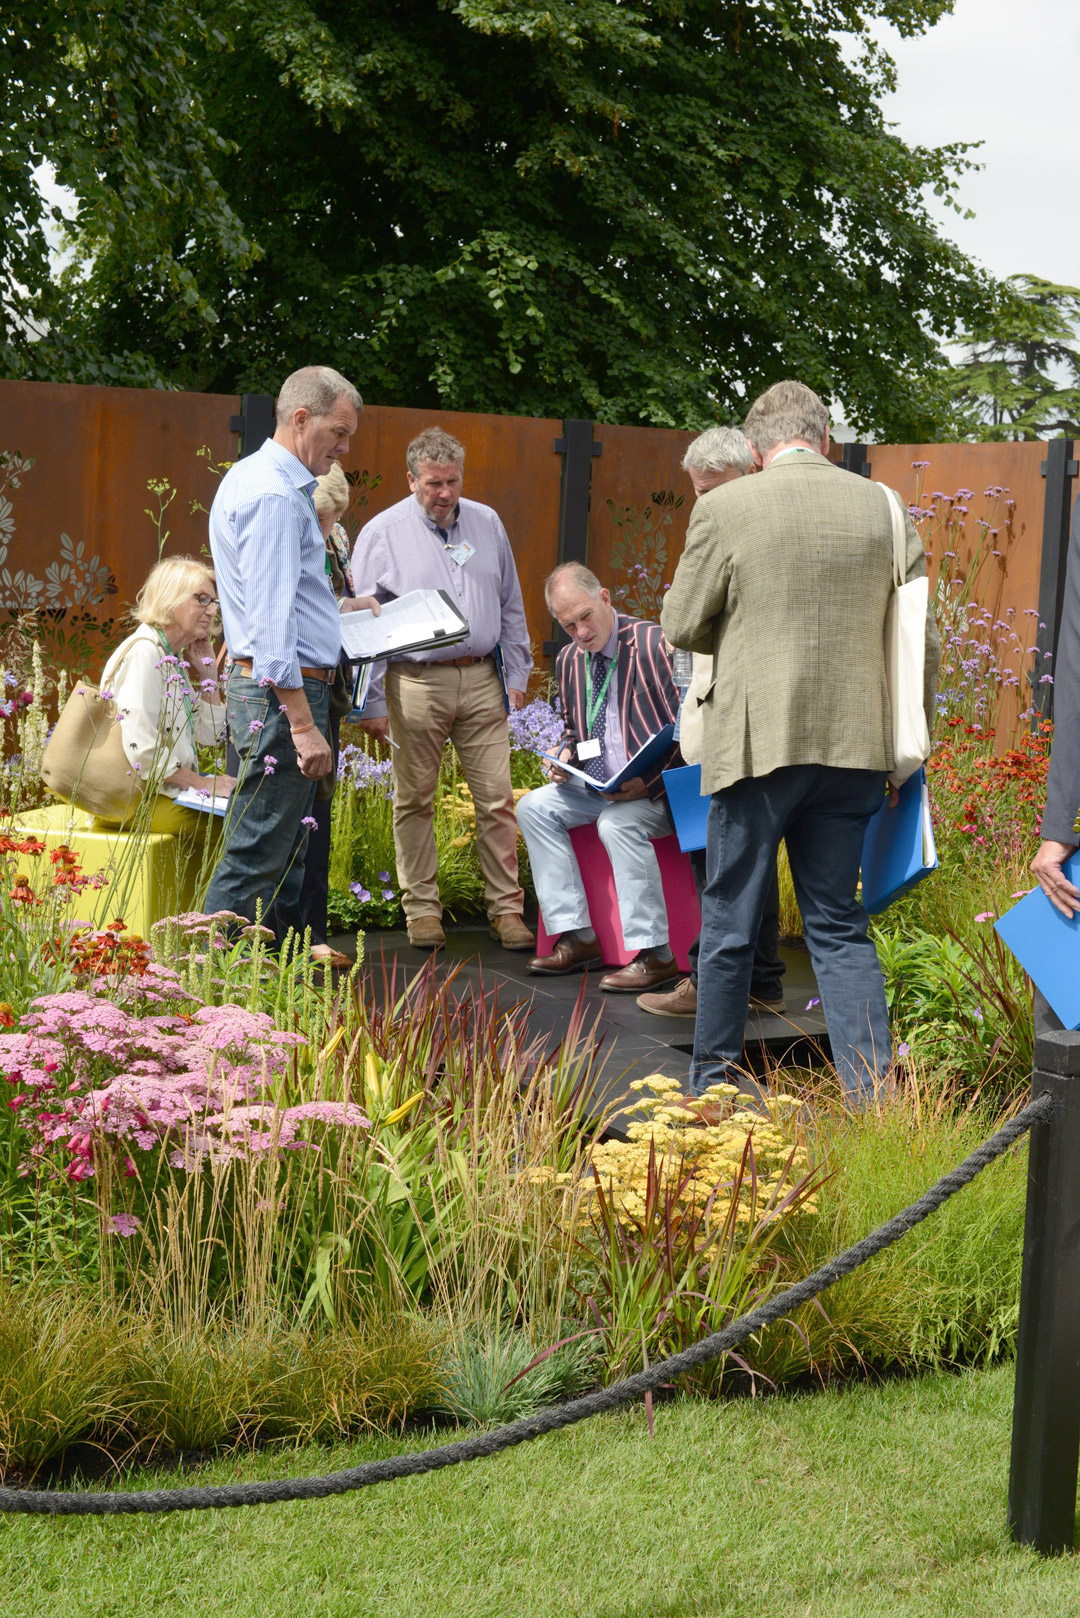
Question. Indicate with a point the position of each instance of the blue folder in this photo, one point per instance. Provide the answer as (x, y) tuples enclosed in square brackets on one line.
[(898, 849), (689, 810), (1048, 946), (643, 759)]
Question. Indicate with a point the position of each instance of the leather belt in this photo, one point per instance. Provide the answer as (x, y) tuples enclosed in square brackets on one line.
[(451, 662), (325, 675)]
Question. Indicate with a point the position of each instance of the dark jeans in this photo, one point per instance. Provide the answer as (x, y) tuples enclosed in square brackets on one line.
[(766, 982), (316, 885), (822, 814), (264, 838)]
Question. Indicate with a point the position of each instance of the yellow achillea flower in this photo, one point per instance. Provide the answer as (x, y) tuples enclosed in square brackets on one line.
[(699, 1148)]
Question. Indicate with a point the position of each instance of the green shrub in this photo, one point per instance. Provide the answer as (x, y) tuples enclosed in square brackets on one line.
[(64, 1363), (499, 1376), (947, 1293), (222, 1387)]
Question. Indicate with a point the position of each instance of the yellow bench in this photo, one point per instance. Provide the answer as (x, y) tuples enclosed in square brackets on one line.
[(148, 875)]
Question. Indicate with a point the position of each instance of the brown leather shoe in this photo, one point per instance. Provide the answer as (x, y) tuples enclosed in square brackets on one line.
[(569, 955), (646, 971), (425, 932), (681, 1001), (759, 1003), (511, 932)]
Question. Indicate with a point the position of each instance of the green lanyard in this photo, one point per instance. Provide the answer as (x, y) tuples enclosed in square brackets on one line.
[(187, 689), (795, 449), (593, 704)]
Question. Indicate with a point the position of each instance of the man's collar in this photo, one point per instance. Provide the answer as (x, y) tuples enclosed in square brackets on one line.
[(794, 451), (611, 646), (293, 468)]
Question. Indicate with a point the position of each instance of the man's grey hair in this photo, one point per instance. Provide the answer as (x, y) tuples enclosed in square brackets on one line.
[(317, 389), (785, 411), (434, 445), (719, 449), (575, 575)]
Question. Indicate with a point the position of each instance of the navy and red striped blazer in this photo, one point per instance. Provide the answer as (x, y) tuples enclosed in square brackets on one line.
[(648, 698)]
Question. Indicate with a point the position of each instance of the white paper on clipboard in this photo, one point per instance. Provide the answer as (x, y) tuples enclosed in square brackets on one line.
[(414, 622)]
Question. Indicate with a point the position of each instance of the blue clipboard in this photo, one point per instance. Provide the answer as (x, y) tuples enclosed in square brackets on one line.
[(654, 749), (1047, 945), (689, 810), (898, 848)]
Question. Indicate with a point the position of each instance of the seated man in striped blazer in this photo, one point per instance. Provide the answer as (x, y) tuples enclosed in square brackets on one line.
[(616, 691)]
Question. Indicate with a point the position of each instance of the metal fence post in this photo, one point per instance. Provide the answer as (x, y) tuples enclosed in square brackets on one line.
[(255, 423), (577, 446), (853, 459), (1046, 1406)]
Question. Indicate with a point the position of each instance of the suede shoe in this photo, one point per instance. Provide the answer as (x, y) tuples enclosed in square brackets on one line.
[(569, 955), (425, 932), (511, 932), (681, 1001), (760, 1003), (646, 971)]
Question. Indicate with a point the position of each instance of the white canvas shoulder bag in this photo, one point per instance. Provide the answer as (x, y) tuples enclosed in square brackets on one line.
[(905, 655)]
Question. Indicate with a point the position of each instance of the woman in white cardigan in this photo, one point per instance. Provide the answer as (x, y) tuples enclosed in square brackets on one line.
[(163, 679)]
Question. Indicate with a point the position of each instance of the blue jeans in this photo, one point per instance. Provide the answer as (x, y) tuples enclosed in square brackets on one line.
[(264, 839), (822, 813)]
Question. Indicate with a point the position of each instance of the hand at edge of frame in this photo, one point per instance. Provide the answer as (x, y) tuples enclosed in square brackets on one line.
[(1046, 868)]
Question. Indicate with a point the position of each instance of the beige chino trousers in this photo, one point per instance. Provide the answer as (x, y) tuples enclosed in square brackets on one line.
[(427, 705)]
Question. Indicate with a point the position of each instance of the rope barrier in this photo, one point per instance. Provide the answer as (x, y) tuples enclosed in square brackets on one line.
[(55, 1503)]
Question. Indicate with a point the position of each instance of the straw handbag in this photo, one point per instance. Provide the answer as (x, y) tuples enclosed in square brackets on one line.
[(905, 656), (84, 761)]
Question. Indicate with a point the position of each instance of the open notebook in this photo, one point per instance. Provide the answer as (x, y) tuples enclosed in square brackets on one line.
[(643, 759)]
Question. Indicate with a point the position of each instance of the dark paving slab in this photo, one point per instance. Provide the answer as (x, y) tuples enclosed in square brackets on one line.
[(633, 1043)]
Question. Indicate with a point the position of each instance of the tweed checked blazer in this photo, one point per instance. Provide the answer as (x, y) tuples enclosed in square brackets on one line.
[(648, 698), (785, 580)]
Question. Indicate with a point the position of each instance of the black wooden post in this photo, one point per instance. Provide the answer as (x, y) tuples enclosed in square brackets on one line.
[(577, 448), (255, 423), (1046, 1406), (853, 459), (1058, 468)]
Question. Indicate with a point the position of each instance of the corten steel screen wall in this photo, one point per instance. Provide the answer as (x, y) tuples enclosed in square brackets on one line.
[(638, 462), (95, 448)]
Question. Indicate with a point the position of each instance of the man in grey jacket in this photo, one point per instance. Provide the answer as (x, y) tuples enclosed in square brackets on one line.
[(785, 579), (1063, 783)]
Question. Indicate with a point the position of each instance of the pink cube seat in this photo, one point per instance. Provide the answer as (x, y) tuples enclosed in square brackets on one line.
[(680, 895)]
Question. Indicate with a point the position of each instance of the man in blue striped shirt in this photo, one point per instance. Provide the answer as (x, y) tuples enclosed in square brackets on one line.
[(284, 637)]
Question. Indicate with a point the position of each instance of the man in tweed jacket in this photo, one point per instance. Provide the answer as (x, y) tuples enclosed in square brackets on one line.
[(616, 691), (785, 580)]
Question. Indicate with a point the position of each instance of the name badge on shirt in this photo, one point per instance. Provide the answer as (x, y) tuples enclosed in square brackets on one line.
[(589, 749), (460, 553)]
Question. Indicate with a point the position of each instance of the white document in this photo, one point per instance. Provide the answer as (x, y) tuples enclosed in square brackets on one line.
[(192, 798), (410, 623)]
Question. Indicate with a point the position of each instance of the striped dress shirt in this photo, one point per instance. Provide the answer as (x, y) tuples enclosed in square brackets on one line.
[(277, 605)]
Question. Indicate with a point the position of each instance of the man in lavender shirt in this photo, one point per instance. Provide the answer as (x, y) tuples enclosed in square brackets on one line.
[(435, 539)]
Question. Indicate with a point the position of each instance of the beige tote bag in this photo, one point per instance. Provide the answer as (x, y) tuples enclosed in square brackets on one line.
[(905, 655), (84, 761)]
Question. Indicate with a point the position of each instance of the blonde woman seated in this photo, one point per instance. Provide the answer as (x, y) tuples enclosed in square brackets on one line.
[(163, 681)]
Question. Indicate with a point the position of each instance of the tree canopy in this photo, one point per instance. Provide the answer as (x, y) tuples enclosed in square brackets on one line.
[(1020, 377), (637, 212)]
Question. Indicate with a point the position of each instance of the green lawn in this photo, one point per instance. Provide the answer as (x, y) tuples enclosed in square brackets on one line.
[(882, 1500)]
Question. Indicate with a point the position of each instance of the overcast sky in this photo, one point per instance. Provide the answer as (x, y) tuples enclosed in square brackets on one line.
[(1006, 72)]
